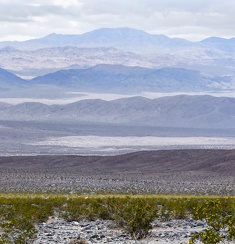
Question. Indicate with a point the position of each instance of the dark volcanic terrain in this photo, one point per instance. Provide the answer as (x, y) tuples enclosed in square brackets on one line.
[(164, 161), (166, 171)]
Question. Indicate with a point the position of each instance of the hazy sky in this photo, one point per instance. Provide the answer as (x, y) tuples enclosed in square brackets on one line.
[(190, 19)]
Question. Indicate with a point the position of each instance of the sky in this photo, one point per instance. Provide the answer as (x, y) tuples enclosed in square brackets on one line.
[(190, 19)]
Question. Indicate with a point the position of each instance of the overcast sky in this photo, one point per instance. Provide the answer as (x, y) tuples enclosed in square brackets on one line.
[(190, 19)]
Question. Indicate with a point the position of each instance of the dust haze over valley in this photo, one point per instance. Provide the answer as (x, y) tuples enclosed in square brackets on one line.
[(114, 91)]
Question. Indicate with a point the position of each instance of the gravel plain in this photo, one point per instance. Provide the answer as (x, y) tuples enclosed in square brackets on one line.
[(105, 231), (201, 172)]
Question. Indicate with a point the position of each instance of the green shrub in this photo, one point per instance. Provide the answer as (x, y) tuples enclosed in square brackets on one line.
[(135, 215), (20, 213), (220, 219)]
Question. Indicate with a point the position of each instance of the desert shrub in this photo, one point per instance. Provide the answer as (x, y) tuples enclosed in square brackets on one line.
[(72, 210), (16, 228), (133, 214), (220, 218), (20, 213), (85, 208), (178, 208)]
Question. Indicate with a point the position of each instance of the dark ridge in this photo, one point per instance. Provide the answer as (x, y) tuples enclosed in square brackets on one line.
[(221, 162)]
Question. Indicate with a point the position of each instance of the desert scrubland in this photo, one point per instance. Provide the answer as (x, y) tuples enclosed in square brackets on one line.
[(117, 136)]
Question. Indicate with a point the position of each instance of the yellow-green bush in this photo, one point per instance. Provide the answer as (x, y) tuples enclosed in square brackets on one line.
[(220, 218), (20, 213)]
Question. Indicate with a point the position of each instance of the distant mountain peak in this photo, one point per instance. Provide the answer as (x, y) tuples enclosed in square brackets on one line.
[(124, 38), (51, 35), (214, 39), (119, 29)]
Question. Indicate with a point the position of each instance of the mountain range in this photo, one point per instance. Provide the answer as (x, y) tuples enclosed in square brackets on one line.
[(122, 46), (123, 38), (181, 111), (124, 79), (121, 79)]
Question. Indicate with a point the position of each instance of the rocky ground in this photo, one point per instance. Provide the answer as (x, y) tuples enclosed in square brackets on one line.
[(77, 182), (201, 172), (105, 231)]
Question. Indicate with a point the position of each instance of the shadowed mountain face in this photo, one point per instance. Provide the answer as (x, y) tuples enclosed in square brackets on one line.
[(176, 111), (8, 80), (221, 162), (124, 79)]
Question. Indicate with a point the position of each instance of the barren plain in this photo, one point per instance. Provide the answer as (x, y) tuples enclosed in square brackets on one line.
[(207, 172)]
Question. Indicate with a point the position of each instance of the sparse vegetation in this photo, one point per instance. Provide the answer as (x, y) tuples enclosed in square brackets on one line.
[(20, 213), (220, 218), (61, 181)]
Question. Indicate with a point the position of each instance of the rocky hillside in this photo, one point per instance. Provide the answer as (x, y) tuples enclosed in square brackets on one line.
[(221, 162)]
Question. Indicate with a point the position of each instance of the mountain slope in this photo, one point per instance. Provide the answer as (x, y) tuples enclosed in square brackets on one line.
[(124, 46), (124, 79), (176, 111), (124, 38), (43, 61), (9, 80), (217, 162), (127, 39), (226, 45)]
